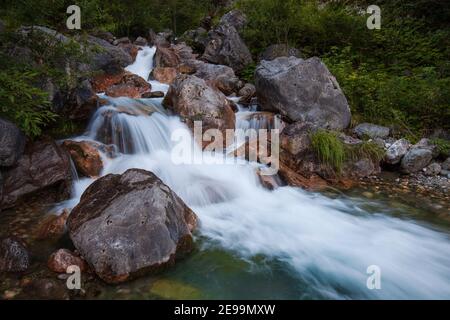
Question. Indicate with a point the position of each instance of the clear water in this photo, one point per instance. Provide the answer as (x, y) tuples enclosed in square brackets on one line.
[(253, 243)]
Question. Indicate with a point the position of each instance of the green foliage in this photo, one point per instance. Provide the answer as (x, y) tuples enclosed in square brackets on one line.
[(366, 149), (248, 74), (328, 148), (443, 146), (23, 103)]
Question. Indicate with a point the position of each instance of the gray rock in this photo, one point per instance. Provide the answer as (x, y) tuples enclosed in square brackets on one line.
[(218, 76), (127, 225), (14, 256), (12, 143), (140, 41), (396, 151), (247, 92), (226, 47), (370, 130), (433, 169), (192, 99), (427, 144), (234, 18), (279, 50), (302, 90), (445, 173), (197, 39), (43, 167), (415, 160), (446, 164)]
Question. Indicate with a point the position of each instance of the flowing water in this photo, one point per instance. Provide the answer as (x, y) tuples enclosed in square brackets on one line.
[(256, 243)]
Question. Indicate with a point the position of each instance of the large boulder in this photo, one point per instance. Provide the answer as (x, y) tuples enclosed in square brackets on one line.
[(42, 167), (165, 75), (396, 151), (166, 57), (125, 84), (192, 99), (234, 18), (302, 90), (12, 143), (279, 50), (369, 130), (416, 159), (126, 225), (14, 256), (226, 47), (86, 157)]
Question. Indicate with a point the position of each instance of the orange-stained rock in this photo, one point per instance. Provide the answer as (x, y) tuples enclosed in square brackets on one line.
[(60, 260), (86, 156), (53, 227), (124, 84), (165, 75)]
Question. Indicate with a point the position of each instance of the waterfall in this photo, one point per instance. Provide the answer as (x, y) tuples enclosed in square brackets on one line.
[(327, 243)]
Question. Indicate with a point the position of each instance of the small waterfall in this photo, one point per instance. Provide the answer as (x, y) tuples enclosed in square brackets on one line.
[(327, 243)]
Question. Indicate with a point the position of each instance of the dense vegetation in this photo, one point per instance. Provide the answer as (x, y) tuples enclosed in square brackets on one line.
[(397, 76)]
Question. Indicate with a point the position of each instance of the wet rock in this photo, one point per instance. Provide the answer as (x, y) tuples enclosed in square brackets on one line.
[(165, 75), (130, 48), (14, 256), (44, 167), (12, 143), (192, 99), (166, 58), (53, 227), (432, 170), (226, 47), (270, 182), (128, 85), (369, 130), (46, 289), (396, 151), (234, 18), (416, 159), (302, 90), (127, 225), (279, 50), (140, 41), (60, 260), (247, 92), (153, 94), (86, 157)]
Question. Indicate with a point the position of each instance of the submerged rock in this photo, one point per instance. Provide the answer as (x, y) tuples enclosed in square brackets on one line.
[(127, 225), (43, 167), (86, 157), (60, 260), (53, 227), (14, 256), (192, 99), (302, 90), (12, 143), (369, 130), (416, 159)]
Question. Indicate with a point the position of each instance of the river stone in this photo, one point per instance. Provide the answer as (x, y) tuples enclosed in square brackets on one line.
[(396, 151), (126, 225), (14, 256), (370, 130), (62, 259), (427, 144), (86, 157), (12, 143), (302, 90), (44, 167), (415, 160), (192, 99), (446, 164), (433, 169)]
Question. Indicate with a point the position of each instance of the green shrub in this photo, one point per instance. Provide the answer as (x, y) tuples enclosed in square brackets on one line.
[(329, 148), (23, 103), (366, 149)]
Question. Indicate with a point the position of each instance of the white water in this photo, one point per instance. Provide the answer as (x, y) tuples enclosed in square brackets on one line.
[(327, 243)]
